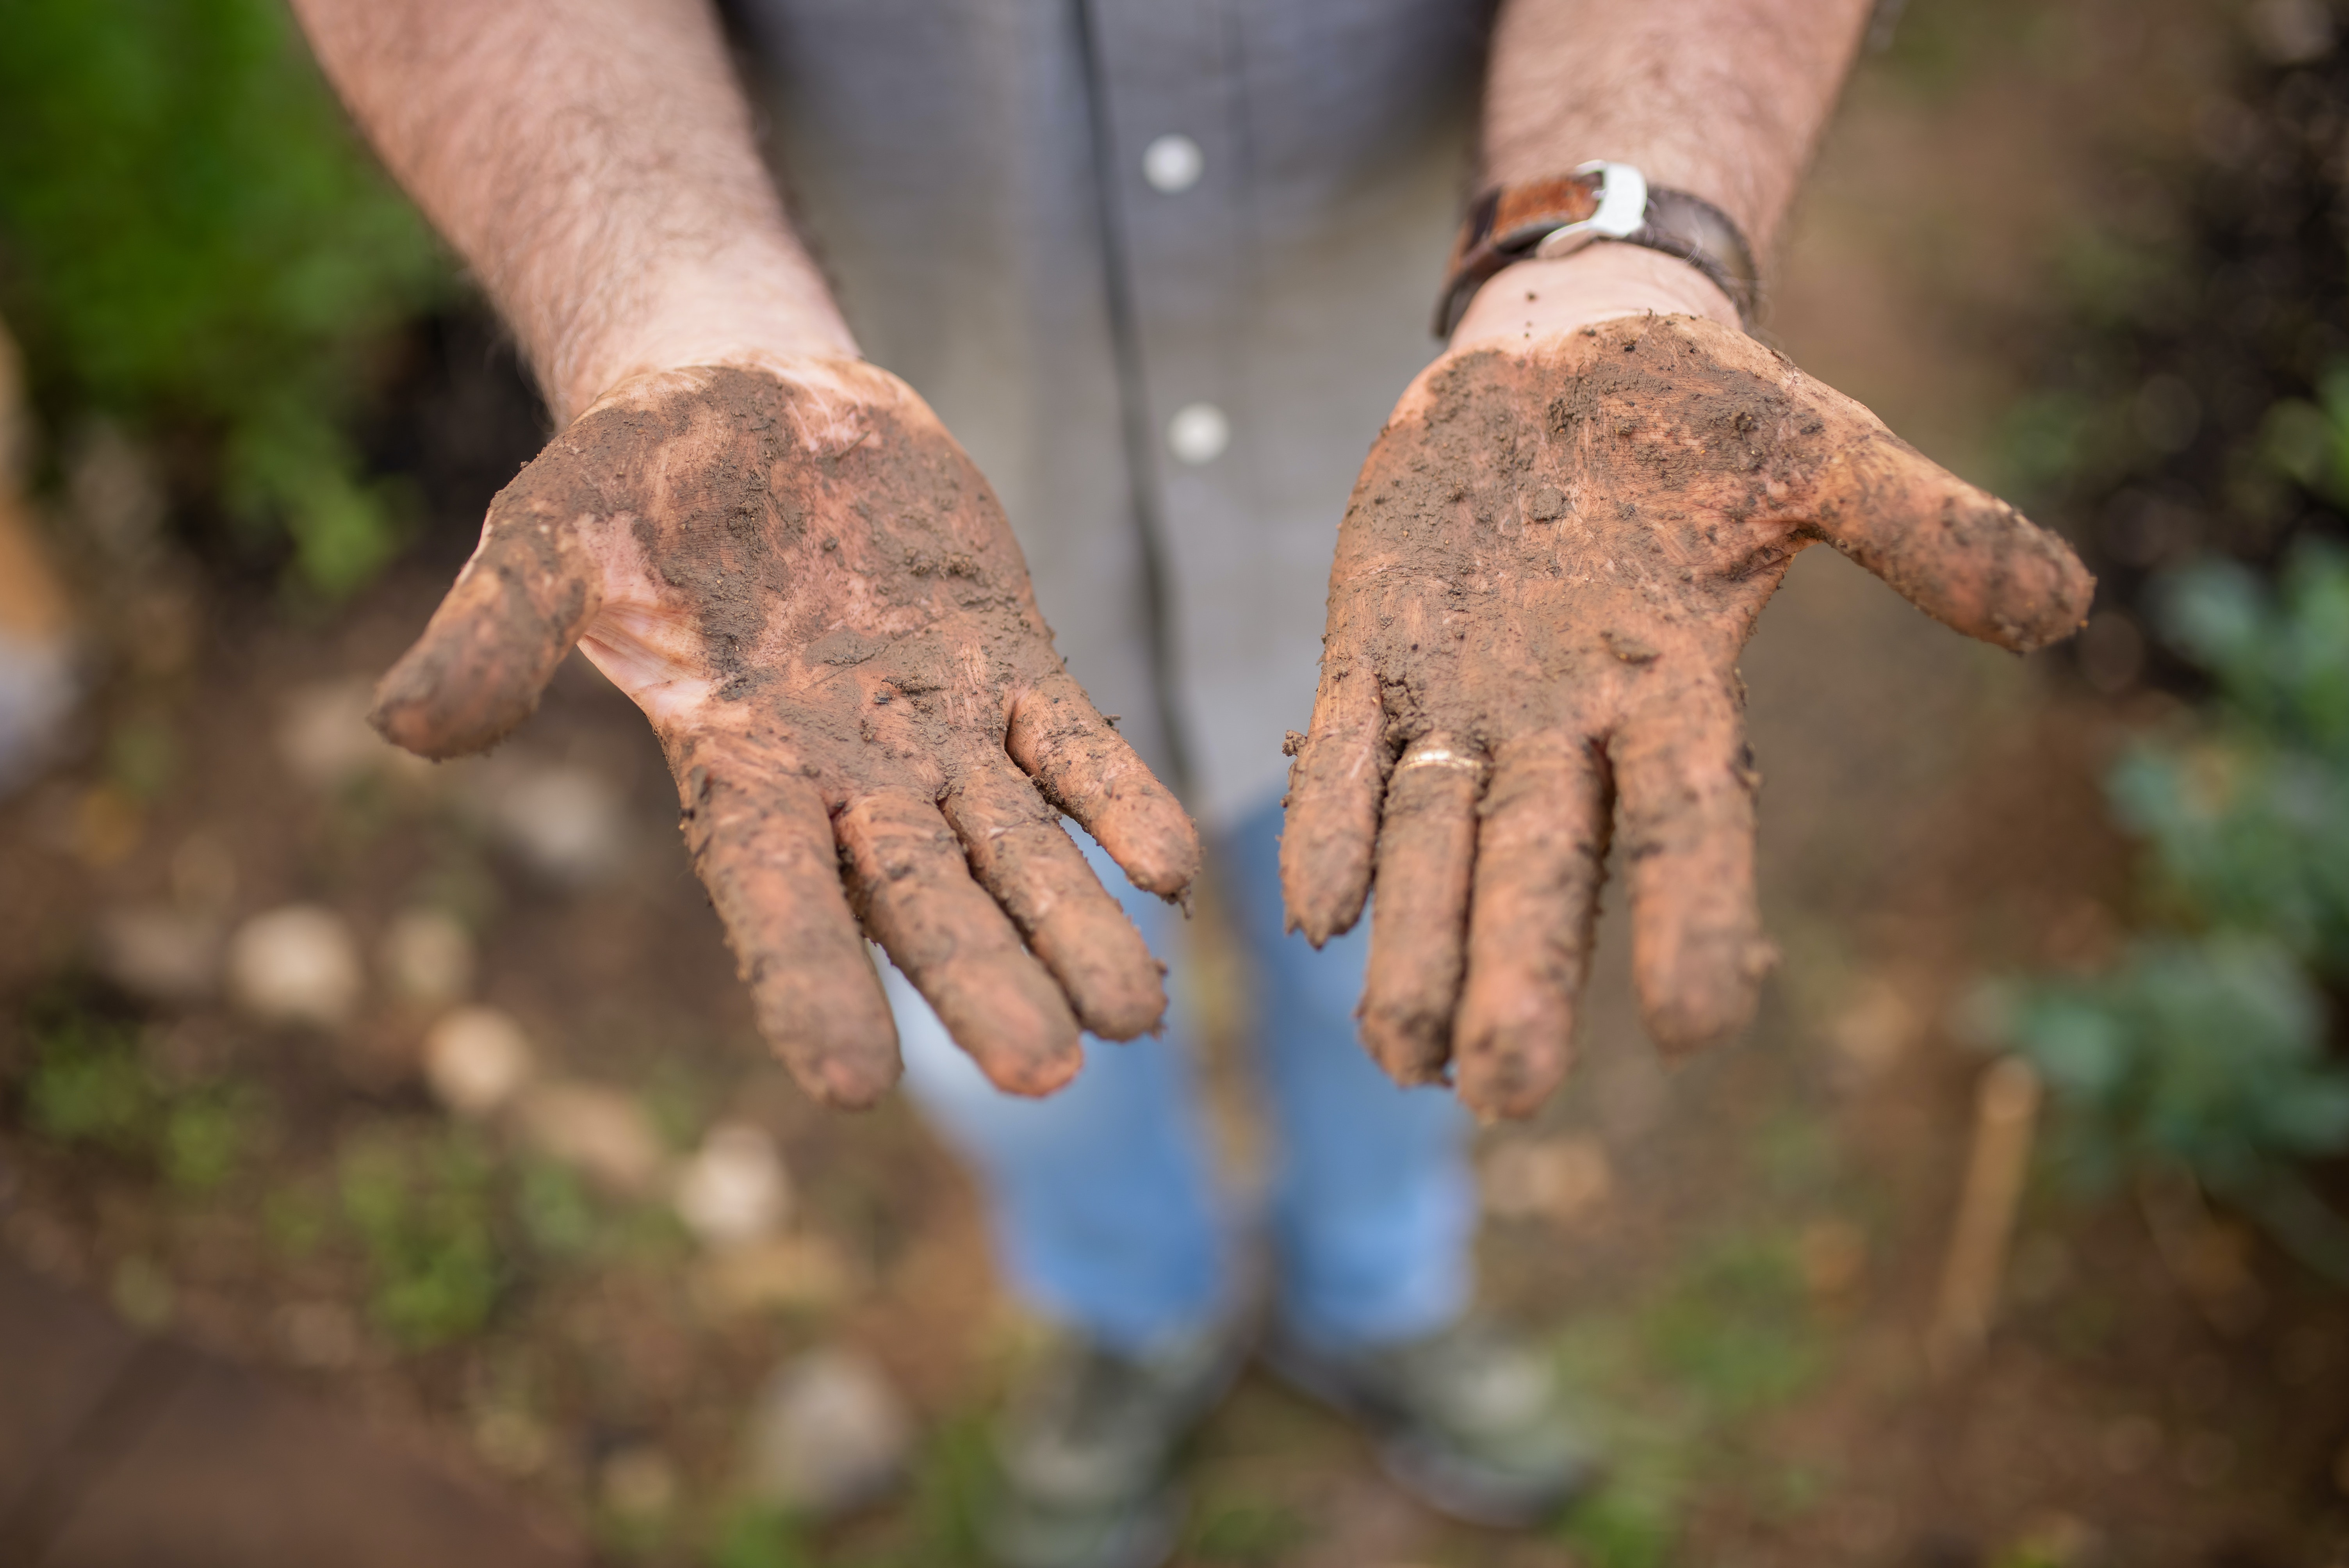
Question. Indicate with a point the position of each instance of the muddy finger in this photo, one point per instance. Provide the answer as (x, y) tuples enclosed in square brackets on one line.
[(911, 884), (1541, 855), (1088, 770), (1685, 785), (516, 609), (1335, 786), (762, 845), (1023, 856), (1957, 552), (1419, 923)]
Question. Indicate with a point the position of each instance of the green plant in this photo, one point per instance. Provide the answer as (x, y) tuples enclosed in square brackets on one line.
[(1734, 1331), (556, 1211), (2206, 1053), (2204, 1047), (1622, 1528), (757, 1536), (423, 1212), (2309, 438), (191, 240), (1677, 1378), (90, 1086), (207, 1135), (1248, 1534)]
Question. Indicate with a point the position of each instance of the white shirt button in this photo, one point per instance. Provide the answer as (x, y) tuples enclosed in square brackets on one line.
[(1173, 163), (1198, 433)]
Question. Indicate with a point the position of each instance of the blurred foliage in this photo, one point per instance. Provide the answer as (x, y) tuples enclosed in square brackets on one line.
[(424, 1214), (434, 1226), (2206, 1045), (2248, 814), (1678, 1380), (759, 1537), (192, 241), (2309, 438), (2187, 380), (1734, 1330), (2188, 424), (557, 1212), (2209, 1053), (1251, 1533), (91, 1087)]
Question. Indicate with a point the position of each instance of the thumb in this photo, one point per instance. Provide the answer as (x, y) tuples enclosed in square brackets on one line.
[(515, 611), (1954, 551)]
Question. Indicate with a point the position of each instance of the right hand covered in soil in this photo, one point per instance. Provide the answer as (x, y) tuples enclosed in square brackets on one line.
[(1551, 561), (814, 595)]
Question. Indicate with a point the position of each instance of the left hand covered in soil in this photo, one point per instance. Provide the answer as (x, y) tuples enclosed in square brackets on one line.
[(1557, 548)]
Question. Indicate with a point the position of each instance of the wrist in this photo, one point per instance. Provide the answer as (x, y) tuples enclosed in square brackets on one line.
[(1531, 299), (751, 307)]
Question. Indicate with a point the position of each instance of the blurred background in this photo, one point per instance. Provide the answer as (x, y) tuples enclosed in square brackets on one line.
[(389, 1171)]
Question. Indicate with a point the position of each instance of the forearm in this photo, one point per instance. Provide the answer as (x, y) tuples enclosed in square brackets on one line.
[(1720, 99), (594, 165)]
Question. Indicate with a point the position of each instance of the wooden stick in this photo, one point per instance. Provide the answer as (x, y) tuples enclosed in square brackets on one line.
[(2006, 1109)]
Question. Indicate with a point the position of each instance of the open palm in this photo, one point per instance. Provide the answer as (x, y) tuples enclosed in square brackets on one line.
[(1550, 563), (814, 595)]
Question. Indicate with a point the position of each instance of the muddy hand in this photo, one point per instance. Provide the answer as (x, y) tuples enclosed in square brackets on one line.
[(811, 592), (1543, 581)]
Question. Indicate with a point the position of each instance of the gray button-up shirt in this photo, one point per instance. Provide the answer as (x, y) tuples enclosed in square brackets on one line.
[(1163, 266)]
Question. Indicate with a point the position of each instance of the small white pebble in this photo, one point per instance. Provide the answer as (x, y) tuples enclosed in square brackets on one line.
[(603, 1133), (476, 1059), (568, 822), (638, 1482), (829, 1433), (155, 952), (734, 1190), (1562, 1179), (296, 965), (427, 957), (323, 739)]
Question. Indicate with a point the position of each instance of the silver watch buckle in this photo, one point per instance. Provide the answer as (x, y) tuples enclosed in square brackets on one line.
[(1622, 211)]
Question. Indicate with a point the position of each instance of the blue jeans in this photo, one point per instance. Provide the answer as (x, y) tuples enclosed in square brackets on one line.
[(1105, 1211)]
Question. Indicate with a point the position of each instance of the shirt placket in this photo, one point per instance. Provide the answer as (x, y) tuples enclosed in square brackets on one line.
[(1175, 162)]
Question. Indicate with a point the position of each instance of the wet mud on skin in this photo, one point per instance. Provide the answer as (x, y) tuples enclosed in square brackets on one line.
[(817, 601), (1543, 581)]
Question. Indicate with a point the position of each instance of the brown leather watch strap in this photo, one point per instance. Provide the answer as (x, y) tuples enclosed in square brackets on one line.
[(1510, 222)]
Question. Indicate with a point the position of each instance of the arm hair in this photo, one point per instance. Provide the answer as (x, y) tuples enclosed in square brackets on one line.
[(593, 163)]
